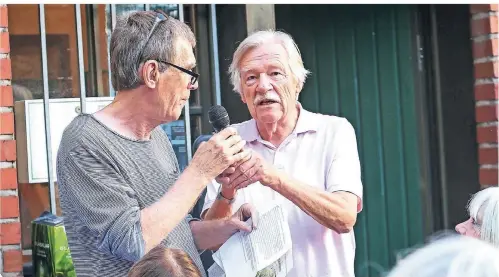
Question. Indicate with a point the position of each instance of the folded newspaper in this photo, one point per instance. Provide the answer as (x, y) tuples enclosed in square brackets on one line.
[(263, 252)]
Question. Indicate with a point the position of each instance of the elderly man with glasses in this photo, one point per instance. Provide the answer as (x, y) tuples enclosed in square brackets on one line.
[(120, 188)]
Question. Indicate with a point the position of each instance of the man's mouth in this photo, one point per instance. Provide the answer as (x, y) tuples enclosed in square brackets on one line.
[(267, 102)]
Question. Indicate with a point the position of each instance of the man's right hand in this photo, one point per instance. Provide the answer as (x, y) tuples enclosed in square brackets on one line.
[(238, 173), (219, 152)]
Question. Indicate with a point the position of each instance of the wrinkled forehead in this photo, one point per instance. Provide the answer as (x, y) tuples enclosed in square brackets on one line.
[(264, 57)]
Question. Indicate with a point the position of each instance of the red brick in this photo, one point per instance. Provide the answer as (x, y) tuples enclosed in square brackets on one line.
[(10, 233), (480, 8), (487, 92), (6, 96), (7, 150), (486, 70), (484, 26), (8, 178), (12, 261), (4, 19), (6, 123), (9, 207), (488, 155), (488, 176), (5, 69), (4, 43), (487, 113), (486, 48), (487, 134)]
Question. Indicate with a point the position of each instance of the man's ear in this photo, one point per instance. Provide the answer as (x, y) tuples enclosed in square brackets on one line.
[(299, 87), (150, 73)]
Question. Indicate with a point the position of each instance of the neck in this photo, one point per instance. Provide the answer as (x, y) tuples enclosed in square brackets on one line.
[(277, 132), (130, 115)]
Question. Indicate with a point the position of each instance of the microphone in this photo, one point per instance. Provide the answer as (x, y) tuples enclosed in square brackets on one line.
[(218, 117)]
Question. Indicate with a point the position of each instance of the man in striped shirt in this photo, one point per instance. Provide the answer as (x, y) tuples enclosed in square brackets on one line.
[(120, 187)]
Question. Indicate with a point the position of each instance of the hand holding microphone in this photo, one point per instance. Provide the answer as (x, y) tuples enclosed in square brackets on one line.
[(222, 150), (248, 168)]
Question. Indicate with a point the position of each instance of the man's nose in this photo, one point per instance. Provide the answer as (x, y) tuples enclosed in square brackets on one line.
[(193, 87), (264, 84)]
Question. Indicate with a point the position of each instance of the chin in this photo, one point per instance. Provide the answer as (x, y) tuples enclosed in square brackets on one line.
[(174, 115), (177, 114), (269, 117)]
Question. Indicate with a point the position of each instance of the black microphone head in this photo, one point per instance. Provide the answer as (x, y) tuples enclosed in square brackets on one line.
[(218, 117)]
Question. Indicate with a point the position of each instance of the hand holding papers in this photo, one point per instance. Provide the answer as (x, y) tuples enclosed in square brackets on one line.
[(264, 252)]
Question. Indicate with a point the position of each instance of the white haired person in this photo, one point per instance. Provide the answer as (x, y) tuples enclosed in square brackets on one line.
[(454, 256), (483, 223), (307, 161)]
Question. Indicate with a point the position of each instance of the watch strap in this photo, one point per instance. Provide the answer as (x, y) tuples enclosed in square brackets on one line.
[(223, 198)]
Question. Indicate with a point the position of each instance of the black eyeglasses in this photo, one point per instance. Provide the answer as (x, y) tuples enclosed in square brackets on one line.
[(194, 75), (160, 17)]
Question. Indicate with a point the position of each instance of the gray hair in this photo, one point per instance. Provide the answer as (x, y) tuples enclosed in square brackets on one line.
[(486, 202), (21, 93), (454, 256), (263, 37), (128, 38)]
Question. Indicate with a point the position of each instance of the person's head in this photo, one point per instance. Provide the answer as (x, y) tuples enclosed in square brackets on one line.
[(21, 93), (454, 256), (165, 262), (483, 209), (268, 72), (149, 54)]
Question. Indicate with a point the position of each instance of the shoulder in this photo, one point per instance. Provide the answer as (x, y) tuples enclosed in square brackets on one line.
[(82, 135), (331, 125), (246, 129), (73, 134), (243, 125)]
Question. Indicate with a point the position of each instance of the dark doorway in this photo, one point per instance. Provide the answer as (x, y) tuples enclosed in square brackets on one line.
[(448, 61)]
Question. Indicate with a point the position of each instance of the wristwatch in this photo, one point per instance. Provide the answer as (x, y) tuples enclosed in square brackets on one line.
[(222, 198)]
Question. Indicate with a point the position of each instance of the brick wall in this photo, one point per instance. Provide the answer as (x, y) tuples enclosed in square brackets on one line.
[(10, 228), (484, 32)]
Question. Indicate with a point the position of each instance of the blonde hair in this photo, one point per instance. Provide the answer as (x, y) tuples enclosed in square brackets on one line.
[(263, 37), (165, 262), (453, 256), (486, 203)]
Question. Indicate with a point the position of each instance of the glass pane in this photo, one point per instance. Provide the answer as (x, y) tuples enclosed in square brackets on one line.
[(95, 50), (195, 127), (34, 200), (176, 133), (170, 9), (126, 8), (62, 51), (25, 52)]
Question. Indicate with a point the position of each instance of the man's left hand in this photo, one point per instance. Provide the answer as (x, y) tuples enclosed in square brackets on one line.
[(256, 169), (211, 234)]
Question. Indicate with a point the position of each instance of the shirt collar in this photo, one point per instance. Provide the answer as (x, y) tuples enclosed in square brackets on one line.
[(306, 123)]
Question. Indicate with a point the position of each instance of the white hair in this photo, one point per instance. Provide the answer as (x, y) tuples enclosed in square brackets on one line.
[(263, 37), (453, 256), (485, 204)]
